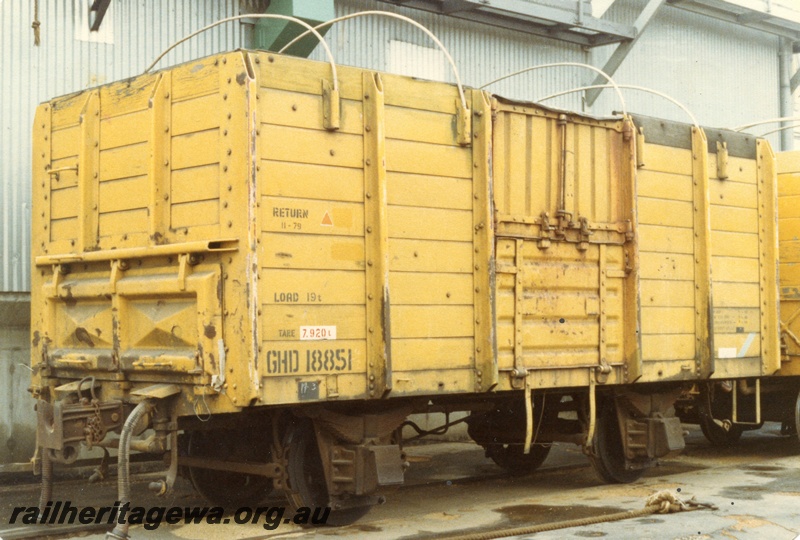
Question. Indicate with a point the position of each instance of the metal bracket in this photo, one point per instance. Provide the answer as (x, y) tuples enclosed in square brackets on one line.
[(331, 106)]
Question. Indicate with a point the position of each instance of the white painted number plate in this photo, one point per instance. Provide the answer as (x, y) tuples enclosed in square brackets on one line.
[(314, 333)]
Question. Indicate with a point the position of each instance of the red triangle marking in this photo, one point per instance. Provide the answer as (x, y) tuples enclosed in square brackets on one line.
[(326, 220)]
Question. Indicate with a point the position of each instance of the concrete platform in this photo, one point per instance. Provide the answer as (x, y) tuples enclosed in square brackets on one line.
[(452, 488)]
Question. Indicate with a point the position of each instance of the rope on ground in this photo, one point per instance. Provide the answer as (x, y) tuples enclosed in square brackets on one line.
[(663, 502)]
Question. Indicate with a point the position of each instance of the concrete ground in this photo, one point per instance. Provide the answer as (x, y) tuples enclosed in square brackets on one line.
[(452, 488)]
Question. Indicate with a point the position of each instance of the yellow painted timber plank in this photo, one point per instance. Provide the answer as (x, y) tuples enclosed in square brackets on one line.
[(283, 322), (192, 115), (196, 149), (124, 222), (293, 109), (665, 212), (429, 256), (668, 347), (123, 194), (312, 251), (313, 287), (64, 203), (663, 293), (436, 353), (307, 181), (429, 191), (736, 269), (283, 214), (668, 160), (730, 219), (430, 159), (429, 223), (195, 184), (667, 320), (124, 130), (430, 288), (660, 185), (124, 162), (192, 214), (422, 126), (666, 239), (431, 321), (282, 143)]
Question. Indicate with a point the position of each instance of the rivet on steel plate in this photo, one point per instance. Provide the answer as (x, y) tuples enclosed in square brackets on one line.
[(369, 229)]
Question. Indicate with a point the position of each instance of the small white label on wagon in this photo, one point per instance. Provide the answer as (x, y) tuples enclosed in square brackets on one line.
[(315, 333)]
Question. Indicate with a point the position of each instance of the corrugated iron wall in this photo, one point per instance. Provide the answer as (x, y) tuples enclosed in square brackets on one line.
[(726, 74), (63, 64)]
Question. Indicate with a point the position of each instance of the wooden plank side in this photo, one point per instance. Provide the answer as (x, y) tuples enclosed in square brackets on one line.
[(123, 194), (421, 126), (424, 288), (666, 266), (665, 212), (283, 214), (195, 213), (667, 293), (430, 223), (124, 222), (654, 238), (431, 354), (656, 347), (312, 287), (195, 149), (196, 114), (308, 181), (281, 143), (661, 185), (124, 162), (293, 109), (315, 252), (431, 321), (428, 159), (195, 184), (429, 256), (428, 191), (125, 130), (283, 322), (666, 159)]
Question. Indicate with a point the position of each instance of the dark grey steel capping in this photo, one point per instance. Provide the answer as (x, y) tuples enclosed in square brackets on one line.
[(679, 135)]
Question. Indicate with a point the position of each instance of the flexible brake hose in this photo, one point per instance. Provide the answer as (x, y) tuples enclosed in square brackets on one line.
[(47, 480), (120, 531)]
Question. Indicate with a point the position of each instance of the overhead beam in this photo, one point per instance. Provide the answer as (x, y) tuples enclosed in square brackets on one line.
[(771, 25), (571, 24), (622, 50), (794, 82)]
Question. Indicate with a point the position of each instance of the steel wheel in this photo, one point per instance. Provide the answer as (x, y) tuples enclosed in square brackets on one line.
[(307, 476), (227, 489), (608, 456), (511, 458)]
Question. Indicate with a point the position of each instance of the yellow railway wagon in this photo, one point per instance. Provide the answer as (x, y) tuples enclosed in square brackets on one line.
[(283, 264)]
